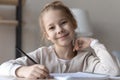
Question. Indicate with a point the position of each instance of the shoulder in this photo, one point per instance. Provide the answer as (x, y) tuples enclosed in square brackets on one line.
[(41, 51), (44, 51)]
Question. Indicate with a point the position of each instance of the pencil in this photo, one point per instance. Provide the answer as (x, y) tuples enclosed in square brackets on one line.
[(26, 55)]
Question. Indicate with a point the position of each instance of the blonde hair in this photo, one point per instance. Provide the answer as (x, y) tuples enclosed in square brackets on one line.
[(56, 5)]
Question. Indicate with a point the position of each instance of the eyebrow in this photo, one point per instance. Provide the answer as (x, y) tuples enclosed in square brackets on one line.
[(64, 18), (50, 25)]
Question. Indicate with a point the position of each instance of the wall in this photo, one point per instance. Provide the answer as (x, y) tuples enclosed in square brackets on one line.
[(104, 16), (7, 34)]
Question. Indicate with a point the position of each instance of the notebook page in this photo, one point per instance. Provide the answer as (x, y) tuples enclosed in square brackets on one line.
[(78, 75)]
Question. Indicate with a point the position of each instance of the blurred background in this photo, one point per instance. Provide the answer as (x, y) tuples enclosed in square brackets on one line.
[(104, 18)]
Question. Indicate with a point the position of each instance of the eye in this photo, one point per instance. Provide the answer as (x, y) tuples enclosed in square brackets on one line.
[(51, 28), (63, 22)]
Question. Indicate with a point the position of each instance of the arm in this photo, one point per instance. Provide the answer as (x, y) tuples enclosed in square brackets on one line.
[(8, 68), (24, 67), (107, 62), (103, 62)]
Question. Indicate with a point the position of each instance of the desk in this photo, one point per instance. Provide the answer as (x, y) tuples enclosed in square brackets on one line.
[(69, 76), (13, 78)]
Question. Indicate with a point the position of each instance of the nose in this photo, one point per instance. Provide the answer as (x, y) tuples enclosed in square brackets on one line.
[(60, 30)]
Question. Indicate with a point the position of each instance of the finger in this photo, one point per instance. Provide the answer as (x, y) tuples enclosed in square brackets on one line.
[(79, 48), (44, 68), (83, 47), (42, 72), (37, 75), (32, 76), (76, 46), (79, 45)]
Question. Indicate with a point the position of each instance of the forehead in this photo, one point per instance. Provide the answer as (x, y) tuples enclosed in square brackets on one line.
[(54, 11), (53, 15)]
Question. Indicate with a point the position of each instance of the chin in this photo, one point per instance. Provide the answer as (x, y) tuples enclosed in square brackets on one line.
[(64, 44)]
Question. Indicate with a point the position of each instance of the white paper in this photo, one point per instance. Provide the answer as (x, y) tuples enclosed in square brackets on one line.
[(7, 78), (78, 75), (115, 78)]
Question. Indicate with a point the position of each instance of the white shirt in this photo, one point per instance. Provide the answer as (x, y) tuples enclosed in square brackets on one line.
[(95, 60)]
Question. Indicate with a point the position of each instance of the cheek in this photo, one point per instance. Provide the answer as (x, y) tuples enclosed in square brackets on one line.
[(50, 35)]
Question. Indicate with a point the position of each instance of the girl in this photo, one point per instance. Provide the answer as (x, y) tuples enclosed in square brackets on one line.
[(58, 26)]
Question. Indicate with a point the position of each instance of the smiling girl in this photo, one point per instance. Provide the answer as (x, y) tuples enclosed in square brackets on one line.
[(58, 26)]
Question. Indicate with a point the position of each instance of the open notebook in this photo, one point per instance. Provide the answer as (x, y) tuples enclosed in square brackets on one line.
[(78, 76)]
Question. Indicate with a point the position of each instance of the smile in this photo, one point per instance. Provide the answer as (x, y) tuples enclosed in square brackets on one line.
[(63, 36)]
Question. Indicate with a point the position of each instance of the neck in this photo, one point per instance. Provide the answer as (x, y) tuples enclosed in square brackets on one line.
[(65, 52)]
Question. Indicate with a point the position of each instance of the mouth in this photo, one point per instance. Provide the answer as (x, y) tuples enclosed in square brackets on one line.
[(61, 37)]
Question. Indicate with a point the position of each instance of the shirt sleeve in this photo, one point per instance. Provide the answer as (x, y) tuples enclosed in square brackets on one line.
[(106, 62), (8, 68)]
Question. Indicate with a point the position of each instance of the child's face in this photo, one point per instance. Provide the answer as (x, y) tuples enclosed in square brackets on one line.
[(59, 29)]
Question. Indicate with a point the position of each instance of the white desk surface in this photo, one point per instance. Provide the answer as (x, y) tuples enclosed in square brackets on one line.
[(14, 78), (69, 76)]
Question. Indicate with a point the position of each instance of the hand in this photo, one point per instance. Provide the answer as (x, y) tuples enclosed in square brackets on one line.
[(35, 71), (82, 43)]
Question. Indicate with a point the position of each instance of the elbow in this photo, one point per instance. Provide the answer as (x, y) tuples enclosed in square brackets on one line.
[(107, 70), (114, 71)]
